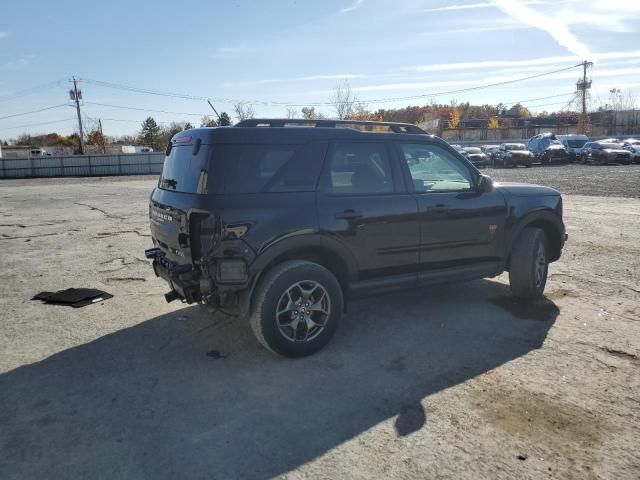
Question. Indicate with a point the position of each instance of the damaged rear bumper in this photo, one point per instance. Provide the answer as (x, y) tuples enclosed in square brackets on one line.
[(183, 279)]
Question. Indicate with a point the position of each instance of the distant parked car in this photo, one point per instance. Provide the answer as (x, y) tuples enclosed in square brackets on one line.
[(513, 154), (573, 145), (601, 153), (634, 150), (630, 141), (489, 151), (476, 156), (546, 149)]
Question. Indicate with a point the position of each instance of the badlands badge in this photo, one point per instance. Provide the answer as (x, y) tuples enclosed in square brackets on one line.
[(492, 229)]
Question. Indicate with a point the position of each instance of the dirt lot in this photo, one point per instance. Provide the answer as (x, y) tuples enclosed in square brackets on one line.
[(457, 382)]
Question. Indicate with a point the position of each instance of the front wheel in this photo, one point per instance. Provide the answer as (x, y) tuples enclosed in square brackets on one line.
[(529, 265), (296, 309)]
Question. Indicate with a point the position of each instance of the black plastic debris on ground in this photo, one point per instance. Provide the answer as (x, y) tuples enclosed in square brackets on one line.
[(76, 297)]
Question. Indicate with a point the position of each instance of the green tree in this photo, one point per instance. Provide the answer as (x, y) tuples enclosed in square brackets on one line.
[(310, 113), (188, 126), (225, 120), (150, 134)]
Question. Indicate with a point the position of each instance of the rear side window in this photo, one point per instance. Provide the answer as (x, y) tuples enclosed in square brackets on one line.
[(256, 168), (359, 168), (185, 172)]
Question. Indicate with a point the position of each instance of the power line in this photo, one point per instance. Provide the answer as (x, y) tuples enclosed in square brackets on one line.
[(540, 98), (34, 111), (293, 104), (29, 91), (36, 124), (145, 109)]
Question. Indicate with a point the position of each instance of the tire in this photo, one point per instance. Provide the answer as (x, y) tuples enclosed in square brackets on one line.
[(528, 267), (284, 288)]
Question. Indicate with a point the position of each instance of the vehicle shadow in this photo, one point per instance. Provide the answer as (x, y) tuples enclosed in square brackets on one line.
[(184, 395)]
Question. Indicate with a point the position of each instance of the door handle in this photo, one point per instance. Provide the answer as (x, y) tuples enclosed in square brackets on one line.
[(348, 215), (438, 209)]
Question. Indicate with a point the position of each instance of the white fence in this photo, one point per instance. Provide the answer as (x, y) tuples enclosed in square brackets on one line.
[(82, 165)]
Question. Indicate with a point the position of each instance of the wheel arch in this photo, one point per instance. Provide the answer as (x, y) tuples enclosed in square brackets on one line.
[(324, 251), (550, 224)]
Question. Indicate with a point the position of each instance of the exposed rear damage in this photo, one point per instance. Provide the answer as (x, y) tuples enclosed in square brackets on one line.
[(202, 261)]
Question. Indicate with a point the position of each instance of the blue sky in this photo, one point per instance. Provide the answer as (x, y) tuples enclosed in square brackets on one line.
[(275, 52)]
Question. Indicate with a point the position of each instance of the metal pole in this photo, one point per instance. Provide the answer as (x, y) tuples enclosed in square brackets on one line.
[(214, 110), (75, 91), (104, 146)]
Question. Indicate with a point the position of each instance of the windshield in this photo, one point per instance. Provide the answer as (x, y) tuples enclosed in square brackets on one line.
[(473, 150), (613, 146), (576, 143), (515, 146)]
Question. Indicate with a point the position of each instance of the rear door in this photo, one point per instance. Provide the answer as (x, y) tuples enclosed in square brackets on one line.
[(362, 201), (458, 225)]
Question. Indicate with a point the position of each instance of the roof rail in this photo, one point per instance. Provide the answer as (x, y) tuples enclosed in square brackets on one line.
[(301, 122)]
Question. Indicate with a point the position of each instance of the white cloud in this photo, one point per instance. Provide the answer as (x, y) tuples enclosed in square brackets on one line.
[(466, 6), (356, 4), (555, 27), (19, 62), (469, 6), (542, 61), (4, 34), (493, 28)]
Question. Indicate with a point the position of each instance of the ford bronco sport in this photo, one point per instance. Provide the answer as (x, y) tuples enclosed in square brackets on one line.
[(285, 221)]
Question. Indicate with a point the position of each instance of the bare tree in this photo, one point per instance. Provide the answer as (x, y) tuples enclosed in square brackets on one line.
[(343, 100), (292, 112), (244, 111)]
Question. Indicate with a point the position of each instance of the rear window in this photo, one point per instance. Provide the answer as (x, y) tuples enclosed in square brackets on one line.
[(576, 143), (185, 172), (243, 168)]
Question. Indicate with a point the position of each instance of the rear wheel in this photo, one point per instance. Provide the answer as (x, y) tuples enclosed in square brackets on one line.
[(529, 265), (297, 308)]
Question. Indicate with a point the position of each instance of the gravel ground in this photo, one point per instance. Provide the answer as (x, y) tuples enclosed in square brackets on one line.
[(606, 181), (458, 382)]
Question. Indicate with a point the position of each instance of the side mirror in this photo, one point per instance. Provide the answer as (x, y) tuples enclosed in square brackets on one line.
[(485, 184)]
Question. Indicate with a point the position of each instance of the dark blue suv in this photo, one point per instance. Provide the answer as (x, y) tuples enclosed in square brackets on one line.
[(285, 221)]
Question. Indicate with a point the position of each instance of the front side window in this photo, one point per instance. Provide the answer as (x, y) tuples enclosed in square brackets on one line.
[(358, 168), (434, 169)]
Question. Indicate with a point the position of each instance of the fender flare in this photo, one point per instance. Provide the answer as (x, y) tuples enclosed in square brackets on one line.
[(546, 216), (292, 242)]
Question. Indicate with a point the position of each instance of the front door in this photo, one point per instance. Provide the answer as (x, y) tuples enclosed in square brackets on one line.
[(458, 224), (362, 201)]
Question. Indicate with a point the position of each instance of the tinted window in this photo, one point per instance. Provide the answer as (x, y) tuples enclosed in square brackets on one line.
[(435, 169), (185, 172), (268, 168), (359, 168)]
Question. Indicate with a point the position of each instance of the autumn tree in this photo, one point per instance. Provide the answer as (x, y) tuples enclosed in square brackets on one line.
[(97, 139), (492, 123), (454, 118)]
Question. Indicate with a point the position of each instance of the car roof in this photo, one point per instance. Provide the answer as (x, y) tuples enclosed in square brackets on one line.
[(295, 134)]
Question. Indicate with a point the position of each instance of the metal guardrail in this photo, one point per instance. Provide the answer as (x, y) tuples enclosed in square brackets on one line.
[(82, 165)]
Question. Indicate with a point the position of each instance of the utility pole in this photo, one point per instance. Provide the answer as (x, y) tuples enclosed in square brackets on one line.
[(582, 86), (102, 141), (76, 95)]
